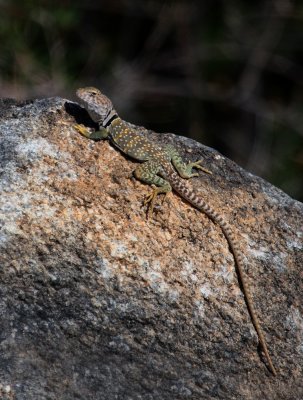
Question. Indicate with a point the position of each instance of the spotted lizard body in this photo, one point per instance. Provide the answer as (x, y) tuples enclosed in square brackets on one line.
[(158, 168)]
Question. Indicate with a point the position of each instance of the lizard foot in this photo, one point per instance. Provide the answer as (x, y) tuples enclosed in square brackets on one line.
[(83, 130), (197, 165), (151, 199)]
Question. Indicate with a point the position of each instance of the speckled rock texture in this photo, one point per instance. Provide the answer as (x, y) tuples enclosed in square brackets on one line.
[(97, 302)]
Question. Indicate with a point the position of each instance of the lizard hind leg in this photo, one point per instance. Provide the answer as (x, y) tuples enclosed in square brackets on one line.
[(184, 170), (147, 173)]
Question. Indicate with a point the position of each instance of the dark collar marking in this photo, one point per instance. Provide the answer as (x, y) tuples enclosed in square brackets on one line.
[(107, 123)]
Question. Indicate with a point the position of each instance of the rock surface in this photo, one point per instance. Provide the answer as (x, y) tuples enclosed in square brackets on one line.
[(99, 303)]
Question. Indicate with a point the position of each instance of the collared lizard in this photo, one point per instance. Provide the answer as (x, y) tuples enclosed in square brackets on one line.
[(158, 168)]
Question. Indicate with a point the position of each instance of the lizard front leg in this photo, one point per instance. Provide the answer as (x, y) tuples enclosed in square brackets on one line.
[(147, 173), (184, 170), (91, 134)]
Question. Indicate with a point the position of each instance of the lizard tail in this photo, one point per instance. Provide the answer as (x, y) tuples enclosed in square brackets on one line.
[(201, 205)]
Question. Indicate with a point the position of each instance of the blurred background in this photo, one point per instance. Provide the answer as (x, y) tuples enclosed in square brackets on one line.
[(226, 73)]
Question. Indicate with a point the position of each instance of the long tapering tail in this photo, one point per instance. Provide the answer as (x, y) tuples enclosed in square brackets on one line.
[(200, 204)]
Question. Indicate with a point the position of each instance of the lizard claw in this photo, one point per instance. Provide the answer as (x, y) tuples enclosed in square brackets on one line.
[(83, 130), (151, 199), (197, 165)]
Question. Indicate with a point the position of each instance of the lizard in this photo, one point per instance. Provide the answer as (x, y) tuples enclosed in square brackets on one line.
[(163, 168)]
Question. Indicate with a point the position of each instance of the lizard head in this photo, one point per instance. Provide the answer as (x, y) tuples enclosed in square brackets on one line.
[(96, 103)]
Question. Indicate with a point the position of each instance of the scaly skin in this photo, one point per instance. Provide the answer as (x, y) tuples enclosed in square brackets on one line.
[(157, 169)]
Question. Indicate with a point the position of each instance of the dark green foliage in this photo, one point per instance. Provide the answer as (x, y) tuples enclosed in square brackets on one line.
[(227, 73)]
